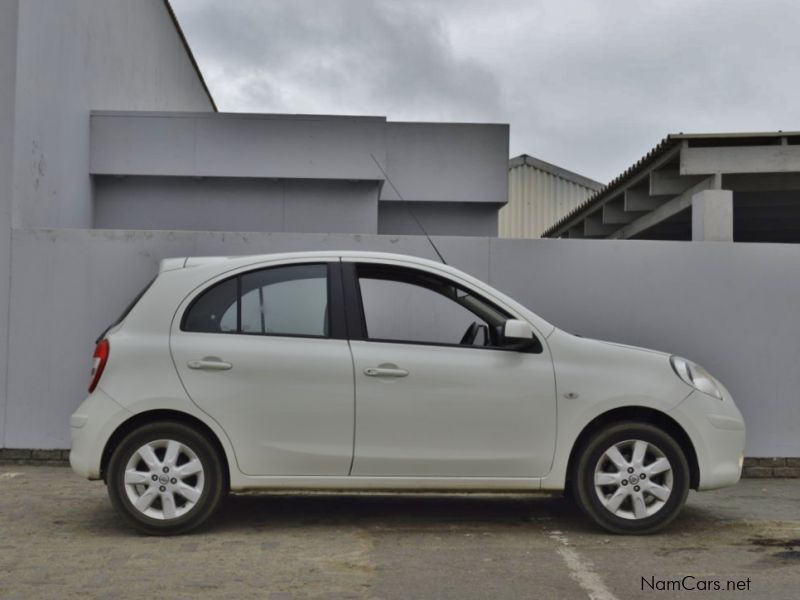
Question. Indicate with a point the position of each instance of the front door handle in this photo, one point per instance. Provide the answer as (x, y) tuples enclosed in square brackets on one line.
[(385, 372), (209, 364)]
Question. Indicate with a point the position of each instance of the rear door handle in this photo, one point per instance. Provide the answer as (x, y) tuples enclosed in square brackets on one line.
[(208, 364), (385, 372)]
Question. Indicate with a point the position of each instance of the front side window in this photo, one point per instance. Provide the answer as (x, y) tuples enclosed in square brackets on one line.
[(404, 305), (289, 300)]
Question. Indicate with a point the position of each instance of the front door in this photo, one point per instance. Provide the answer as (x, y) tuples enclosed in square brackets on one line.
[(436, 394), (256, 352)]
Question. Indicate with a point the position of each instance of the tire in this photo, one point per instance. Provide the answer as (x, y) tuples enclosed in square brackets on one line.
[(171, 472), (627, 503)]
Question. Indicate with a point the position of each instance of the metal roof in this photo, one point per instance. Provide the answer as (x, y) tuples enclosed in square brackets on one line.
[(659, 150), (665, 146), (527, 159)]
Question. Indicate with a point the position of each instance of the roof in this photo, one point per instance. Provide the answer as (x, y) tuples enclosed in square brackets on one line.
[(189, 53), (169, 264), (667, 145), (531, 161)]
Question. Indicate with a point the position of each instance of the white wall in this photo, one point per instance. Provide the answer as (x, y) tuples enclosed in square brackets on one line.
[(75, 56), (731, 307)]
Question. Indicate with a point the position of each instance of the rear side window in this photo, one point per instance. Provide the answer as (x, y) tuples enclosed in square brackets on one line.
[(290, 300), (215, 310)]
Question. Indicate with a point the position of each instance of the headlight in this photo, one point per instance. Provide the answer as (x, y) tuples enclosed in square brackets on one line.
[(696, 376)]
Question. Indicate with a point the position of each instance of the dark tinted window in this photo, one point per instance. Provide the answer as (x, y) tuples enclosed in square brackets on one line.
[(404, 305), (290, 300), (207, 312), (286, 300)]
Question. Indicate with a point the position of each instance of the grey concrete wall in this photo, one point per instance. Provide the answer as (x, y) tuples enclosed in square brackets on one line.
[(81, 55), (455, 173), (235, 204), (8, 79), (447, 162), (438, 218), (237, 145), (427, 162), (731, 307)]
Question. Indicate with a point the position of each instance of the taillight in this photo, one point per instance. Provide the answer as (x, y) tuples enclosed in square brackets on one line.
[(99, 361)]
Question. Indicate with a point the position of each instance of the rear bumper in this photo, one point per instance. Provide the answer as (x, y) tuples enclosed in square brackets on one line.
[(91, 425), (717, 431)]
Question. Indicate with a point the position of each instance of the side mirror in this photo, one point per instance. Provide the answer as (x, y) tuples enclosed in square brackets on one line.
[(515, 330), (518, 335)]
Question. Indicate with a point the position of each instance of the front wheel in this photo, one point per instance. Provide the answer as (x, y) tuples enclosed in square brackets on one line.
[(165, 478), (632, 478)]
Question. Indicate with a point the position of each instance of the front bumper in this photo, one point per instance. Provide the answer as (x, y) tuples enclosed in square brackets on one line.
[(717, 431), (91, 426)]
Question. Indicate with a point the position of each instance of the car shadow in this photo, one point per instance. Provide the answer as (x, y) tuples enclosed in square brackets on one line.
[(394, 511), (391, 512)]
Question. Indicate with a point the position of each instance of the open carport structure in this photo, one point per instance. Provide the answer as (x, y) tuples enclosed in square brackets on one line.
[(742, 187)]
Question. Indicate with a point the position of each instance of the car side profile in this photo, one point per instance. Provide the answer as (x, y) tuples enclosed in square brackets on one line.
[(372, 371)]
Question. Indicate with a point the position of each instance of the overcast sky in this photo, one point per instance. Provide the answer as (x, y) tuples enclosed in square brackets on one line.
[(588, 85)]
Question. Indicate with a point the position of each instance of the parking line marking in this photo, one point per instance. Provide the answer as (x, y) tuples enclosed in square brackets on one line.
[(580, 570), (9, 475)]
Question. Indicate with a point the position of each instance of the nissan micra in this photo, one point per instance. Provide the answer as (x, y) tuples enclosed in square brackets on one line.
[(370, 371)]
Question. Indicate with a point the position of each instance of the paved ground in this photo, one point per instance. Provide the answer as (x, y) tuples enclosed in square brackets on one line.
[(59, 538)]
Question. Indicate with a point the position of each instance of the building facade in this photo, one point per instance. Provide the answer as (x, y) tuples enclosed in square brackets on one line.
[(539, 194), (109, 133), (296, 173)]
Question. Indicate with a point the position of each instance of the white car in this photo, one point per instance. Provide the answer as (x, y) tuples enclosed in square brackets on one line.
[(370, 371)]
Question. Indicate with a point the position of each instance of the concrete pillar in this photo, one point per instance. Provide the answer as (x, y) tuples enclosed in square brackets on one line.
[(712, 216)]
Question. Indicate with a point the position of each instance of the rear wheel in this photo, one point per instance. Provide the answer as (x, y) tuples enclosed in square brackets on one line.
[(632, 478), (165, 478)]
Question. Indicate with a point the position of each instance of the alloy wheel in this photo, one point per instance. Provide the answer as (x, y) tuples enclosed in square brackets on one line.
[(164, 479), (633, 479)]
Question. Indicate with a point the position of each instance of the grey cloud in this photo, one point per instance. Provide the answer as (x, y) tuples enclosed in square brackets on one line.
[(611, 85), (590, 85), (337, 56)]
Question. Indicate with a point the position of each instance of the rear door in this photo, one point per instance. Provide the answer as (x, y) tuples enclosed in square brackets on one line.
[(264, 353)]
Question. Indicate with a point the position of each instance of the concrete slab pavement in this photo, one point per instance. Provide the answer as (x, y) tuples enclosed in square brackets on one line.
[(61, 539)]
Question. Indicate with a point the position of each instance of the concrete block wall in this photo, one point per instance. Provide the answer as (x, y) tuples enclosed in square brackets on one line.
[(771, 467)]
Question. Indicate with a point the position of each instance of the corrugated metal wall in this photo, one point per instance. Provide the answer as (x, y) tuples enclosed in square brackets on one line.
[(536, 200)]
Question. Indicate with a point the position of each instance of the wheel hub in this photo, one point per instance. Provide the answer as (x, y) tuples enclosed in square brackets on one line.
[(164, 479), (633, 479)]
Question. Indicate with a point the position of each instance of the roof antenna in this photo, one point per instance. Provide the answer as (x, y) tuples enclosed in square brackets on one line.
[(408, 207)]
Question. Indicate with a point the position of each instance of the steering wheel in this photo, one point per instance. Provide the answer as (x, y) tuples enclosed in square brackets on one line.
[(470, 334)]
